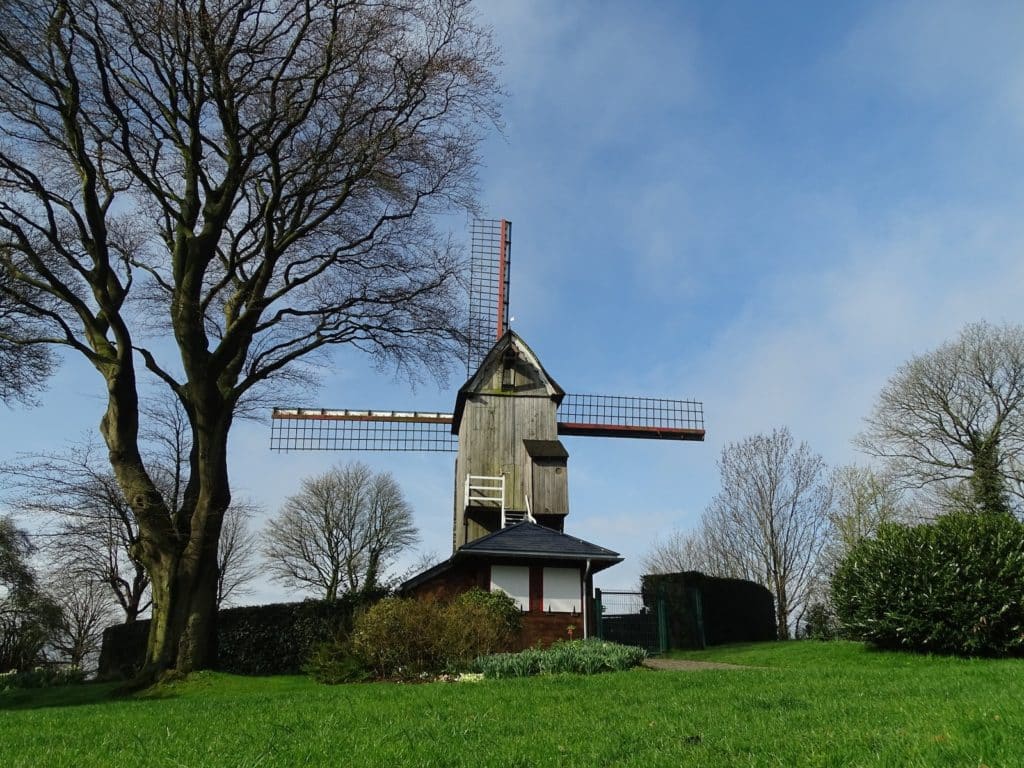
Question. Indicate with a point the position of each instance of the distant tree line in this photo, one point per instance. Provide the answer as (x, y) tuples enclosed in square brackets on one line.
[(337, 537), (946, 434)]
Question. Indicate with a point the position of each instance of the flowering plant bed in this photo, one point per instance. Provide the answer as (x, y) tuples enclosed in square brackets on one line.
[(580, 657)]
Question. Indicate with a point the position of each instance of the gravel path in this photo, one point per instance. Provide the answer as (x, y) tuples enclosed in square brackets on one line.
[(681, 665)]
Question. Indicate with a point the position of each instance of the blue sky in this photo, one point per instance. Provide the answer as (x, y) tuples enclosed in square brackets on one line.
[(767, 207)]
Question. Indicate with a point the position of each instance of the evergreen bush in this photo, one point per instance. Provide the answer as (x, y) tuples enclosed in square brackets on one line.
[(954, 586), (477, 623), (334, 662), (819, 623)]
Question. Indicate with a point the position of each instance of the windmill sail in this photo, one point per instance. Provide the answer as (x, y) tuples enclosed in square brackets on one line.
[(300, 429), (490, 261), (625, 416), (322, 429)]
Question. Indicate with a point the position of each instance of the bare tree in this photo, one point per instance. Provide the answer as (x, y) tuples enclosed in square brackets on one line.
[(681, 551), (340, 532), (952, 420), (92, 531), (209, 194), (15, 548), (769, 521), (237, 562), (86, 610), (29, 618), (865, 499), (90, 527), (23, 369)]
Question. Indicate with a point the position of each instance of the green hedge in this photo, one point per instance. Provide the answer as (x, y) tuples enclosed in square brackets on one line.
[(710, 610), (954, 586), (42, 677), (275, 639)]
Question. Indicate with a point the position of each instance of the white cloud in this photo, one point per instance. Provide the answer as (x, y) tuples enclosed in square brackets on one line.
[(811, 351), (949, 51)]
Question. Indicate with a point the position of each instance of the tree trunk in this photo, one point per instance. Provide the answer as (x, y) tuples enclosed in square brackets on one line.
[(138, 589), (782, 609), (184, 611), (986, 482), (180, 555), (186, 638)]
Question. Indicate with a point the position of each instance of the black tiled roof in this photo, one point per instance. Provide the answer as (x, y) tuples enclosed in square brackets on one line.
[(531, 539), (525, 540)]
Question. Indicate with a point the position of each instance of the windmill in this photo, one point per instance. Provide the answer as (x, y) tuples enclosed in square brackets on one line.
[(511, 472)]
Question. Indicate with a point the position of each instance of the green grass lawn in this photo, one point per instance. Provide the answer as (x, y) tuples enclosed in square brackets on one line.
[(825, 704)]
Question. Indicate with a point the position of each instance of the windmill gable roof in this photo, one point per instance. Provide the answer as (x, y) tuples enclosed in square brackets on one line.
[(478, 383)]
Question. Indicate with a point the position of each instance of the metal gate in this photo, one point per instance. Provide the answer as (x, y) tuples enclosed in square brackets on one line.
[(624, 617)]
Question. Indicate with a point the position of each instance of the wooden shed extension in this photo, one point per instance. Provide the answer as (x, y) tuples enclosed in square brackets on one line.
[(547, 481)]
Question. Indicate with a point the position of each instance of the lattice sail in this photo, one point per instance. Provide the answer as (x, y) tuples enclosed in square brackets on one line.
[(624, 416), (490, 261), (321, 429)]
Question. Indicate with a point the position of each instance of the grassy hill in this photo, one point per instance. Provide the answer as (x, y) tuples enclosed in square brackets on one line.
[(800, 703)]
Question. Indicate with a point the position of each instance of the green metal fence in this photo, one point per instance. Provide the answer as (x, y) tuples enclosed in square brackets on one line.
[(624, 617)]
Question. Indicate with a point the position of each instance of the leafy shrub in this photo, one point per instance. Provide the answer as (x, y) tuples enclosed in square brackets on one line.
[(710, 610), (404, 637), (578, 657), (334, 662), (477, 623), (399, 637), (29, 620), (955, 586), (502, 607), (42, 677)]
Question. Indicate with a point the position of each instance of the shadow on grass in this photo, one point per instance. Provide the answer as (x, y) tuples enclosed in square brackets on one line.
[(72, 696)]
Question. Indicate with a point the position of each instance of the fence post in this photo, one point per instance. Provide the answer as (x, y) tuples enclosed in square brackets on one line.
[(662, 620), (598, 615), (697, 609)]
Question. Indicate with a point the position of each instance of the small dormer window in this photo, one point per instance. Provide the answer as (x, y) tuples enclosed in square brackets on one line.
[(508, 369)]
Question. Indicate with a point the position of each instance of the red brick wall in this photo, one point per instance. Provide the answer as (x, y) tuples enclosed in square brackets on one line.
[(545, 628), (461, 578)]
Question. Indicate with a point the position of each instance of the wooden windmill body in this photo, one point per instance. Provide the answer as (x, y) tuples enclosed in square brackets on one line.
[(511, 463), (511, 494)]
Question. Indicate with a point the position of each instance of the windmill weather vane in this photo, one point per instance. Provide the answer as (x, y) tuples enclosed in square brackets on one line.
[(511, 489)]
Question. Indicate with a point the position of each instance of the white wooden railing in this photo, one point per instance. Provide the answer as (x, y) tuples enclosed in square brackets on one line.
[(485, 489)]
